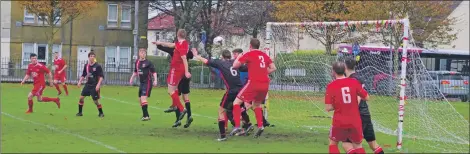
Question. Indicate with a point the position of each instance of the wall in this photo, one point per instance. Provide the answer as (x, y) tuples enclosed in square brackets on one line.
[(462, 27), (5, 36), (88, 30)]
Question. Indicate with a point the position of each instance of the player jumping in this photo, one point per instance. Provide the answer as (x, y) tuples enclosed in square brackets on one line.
[(59, 73), (178, 69), (93, 72), (183, 87), (144, 69), (37, 71), (341, 97), (255, 90), (367, 126), (231, 78)]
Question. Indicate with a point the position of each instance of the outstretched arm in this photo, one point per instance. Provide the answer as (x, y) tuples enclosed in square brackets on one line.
[(166, 44)]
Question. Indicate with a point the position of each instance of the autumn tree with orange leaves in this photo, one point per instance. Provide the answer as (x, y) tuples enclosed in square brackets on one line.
[(430, 24), (55, 14)]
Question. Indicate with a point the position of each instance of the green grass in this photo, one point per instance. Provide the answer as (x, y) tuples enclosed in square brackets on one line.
[(50, 129)]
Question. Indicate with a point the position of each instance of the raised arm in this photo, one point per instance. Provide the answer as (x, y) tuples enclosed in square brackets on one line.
[(237, 63), (166, 44), (166, 49)]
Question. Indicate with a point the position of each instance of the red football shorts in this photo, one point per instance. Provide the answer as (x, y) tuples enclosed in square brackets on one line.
[(339, 134), (175, 75), (60, 78), (38, 89), (254, 91)]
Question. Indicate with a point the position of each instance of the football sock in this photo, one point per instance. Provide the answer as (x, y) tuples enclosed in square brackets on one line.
[(359, 150), (259, 116), (222, 128), (80, 106), (333, 149), (65, 89), (229, 117), (144, 109), (57, 88), (187, 104), (47, 99), (30, 105), (177, 114), (379, 150), (245, 116), (176, 101), (350, 151), (100, 108), (236, 115)]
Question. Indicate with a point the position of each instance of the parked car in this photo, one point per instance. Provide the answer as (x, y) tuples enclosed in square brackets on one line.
[(449, 83)]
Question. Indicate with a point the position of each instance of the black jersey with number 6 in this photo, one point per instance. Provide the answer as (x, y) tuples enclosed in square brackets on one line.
[(230, 75), (363, 107), (145, 69)]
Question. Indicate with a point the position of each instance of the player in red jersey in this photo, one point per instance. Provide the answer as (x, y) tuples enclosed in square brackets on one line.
[(178, 70), (37, 71), (256, 88), (341, 97), (59, 73)]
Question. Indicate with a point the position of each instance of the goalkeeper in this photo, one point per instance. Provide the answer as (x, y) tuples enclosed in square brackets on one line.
[(367, 127)]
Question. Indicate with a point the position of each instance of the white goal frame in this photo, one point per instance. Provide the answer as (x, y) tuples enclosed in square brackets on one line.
[(406, 24)]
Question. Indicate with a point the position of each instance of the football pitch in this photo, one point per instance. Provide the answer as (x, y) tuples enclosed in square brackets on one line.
[(50, 130)]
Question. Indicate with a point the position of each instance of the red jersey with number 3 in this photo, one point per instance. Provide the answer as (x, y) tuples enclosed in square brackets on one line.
[(257, 62), (59, 64), (342, 94), (37, 72), (181, 49)]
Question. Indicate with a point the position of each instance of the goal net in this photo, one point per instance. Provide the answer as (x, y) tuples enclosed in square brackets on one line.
[(408, 110)]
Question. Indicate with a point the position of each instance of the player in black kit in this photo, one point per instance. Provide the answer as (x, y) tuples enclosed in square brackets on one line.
[(94, 75), (367, 127), (145, 70), (183, 88), (231, 78)]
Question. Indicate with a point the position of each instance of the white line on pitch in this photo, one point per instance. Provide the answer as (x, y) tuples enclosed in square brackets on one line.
[(65, 132)]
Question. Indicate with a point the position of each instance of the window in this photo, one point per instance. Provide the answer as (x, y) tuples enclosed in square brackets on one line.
[(124, 57), (58, 16), (112, 15), (126, 16), (57, 47), (29, 18), (28, 48), (118, 59), (40, 49)]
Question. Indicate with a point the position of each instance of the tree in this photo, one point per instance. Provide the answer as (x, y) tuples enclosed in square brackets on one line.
[(197, 17), (55, 14), (430, 24), (314, 11), (251, 16)]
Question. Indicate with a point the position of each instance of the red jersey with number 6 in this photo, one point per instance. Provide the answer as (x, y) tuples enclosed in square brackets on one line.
[(257, 63), (342, 94)]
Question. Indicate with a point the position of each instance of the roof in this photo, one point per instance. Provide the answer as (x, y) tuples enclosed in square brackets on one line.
[(161, 22), (165, 22)]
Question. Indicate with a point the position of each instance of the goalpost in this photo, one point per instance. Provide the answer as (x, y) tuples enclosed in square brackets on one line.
[(301, 85)]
